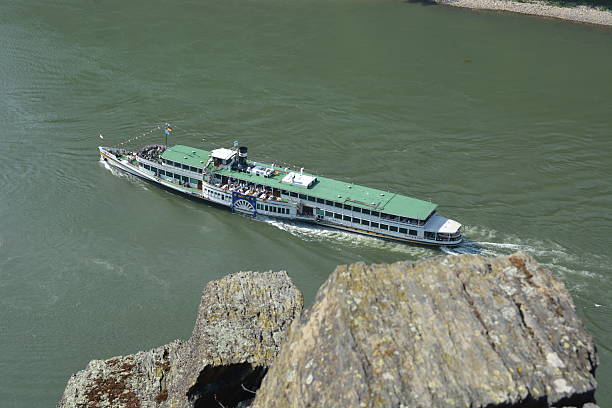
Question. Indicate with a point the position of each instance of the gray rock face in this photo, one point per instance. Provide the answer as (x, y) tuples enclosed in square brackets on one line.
[(462, 331), (242, 320), (133, 381)]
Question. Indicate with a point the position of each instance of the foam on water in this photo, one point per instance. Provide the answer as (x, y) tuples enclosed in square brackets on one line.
[(548, 253), (310, 232)]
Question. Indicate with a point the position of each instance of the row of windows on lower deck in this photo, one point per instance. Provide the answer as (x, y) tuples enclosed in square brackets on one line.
[(216, 194), (179, 179), (382, 215), (271, 208), (372, 224)]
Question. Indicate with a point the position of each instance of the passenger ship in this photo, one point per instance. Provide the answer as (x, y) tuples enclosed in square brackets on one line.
[(226, 177)]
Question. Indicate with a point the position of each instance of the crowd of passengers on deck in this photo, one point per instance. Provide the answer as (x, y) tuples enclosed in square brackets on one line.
[(151, 152), (260, 193)]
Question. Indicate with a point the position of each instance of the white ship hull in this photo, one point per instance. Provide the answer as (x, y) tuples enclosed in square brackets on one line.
[(281, 208)]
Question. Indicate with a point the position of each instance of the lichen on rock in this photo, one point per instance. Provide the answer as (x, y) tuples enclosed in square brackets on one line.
[(461, 331), (242, 320)]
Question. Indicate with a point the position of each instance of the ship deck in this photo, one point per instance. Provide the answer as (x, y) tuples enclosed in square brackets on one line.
[(324, 188)]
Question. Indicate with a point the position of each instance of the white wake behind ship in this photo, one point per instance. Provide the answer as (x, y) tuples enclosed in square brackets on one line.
[(226, 177)]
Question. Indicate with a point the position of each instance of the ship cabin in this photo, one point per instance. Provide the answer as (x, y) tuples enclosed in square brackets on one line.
[(183, 166), (284, 193)]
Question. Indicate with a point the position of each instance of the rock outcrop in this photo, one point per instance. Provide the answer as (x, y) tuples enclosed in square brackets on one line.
[(242, 320), (460, 331)]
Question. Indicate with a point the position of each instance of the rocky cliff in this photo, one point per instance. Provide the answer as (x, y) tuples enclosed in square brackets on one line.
[(462, 331), (459, 331), (242, 320)]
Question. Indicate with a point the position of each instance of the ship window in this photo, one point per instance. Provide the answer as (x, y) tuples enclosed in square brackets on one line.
[(185, 167), (193, 169), (403, 230), (357, 209), (338, 216), (374, 225), (346, 218), (412, 232), (292, 194), (430, 235), (302, 196), (177, 165), (266, 208), (365, 222), (347, 207), (392, 228), (356, 220), (384, 226), (162, 173), (184, 178), (169, 162), (320, 201), (338, 205), (193, 181), (330, 203), (329, 214), (365, 211), (375, 213), (311, 198), (169, 174)]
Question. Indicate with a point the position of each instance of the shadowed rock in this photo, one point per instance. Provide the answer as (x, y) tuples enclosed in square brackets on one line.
[(242, 320), (461, 331)]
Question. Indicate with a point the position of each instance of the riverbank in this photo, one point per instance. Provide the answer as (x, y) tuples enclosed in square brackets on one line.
[(582, 14)]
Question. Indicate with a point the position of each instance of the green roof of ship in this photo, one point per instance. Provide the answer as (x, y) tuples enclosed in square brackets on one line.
[(325, 188), (186, 155)]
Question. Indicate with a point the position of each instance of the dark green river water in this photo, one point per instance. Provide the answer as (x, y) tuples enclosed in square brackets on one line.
[(515, 143)]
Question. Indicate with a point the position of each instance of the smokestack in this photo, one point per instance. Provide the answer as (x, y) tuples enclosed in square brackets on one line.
[(242, 155)]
